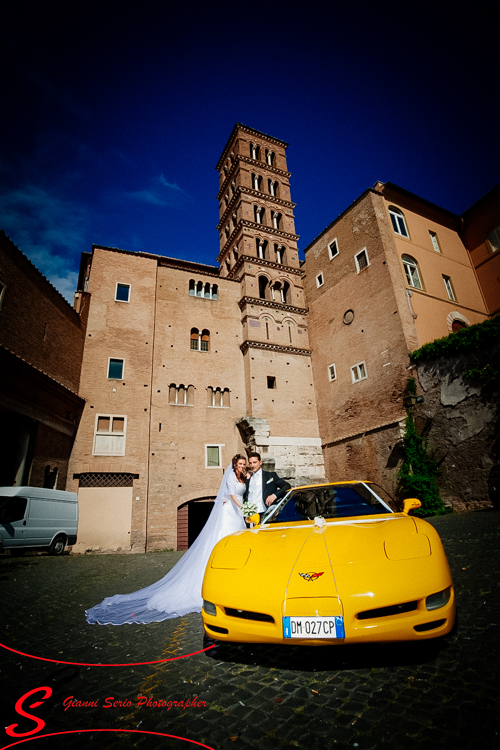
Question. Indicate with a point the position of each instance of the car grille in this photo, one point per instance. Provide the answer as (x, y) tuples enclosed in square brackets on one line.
[(429, 626), (394, 609), (216, 629), (245, 615)]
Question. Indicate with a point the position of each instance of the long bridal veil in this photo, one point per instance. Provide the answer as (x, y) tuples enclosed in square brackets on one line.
[(179, 592)]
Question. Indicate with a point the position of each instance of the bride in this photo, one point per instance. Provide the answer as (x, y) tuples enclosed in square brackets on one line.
[(179, 592)]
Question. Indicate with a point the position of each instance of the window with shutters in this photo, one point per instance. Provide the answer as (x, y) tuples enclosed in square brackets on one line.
[(109, 435)]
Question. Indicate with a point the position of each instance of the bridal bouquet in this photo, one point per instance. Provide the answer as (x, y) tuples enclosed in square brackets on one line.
[(248, 509)]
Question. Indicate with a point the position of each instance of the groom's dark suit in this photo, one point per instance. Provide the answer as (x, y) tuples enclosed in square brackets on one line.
[(272, 484)]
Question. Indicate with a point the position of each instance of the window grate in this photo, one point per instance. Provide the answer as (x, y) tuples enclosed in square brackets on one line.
[(108, 479)]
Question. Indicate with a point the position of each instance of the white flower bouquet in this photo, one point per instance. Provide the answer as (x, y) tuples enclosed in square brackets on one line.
[(248, 509)]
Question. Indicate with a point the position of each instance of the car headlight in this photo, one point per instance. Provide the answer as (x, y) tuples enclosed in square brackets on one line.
[(435, 601), (209, 608)]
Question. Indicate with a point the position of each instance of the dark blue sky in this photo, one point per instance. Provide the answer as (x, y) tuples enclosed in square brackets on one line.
[(114, 116)]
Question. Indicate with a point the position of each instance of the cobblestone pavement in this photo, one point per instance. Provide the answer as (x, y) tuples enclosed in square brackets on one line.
[(386, 697)]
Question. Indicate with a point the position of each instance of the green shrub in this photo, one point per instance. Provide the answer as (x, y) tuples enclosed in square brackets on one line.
[(418, 473), (479, 336)]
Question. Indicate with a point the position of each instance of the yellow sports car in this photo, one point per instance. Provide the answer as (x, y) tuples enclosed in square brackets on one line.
[(330, 564)]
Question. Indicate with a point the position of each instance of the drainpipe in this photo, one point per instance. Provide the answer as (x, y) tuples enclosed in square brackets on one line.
[(409, 295), (150, 411)]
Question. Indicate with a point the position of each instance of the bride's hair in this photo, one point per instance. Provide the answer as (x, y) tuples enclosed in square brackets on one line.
[(236, 458)]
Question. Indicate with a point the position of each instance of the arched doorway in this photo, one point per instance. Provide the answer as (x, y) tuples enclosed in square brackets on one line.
[(191, 518)]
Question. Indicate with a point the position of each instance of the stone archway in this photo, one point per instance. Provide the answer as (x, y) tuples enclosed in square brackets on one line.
[(455, 320)]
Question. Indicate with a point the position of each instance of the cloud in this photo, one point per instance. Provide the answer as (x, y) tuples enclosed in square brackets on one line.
[(50, 231), (160, 192)]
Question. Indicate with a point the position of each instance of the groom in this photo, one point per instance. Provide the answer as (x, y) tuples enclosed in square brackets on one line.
[(263, 487)]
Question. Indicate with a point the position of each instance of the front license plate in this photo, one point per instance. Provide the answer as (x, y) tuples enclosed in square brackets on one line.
[(313, 627)]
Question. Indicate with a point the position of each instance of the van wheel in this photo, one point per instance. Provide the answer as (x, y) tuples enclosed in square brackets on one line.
[(58, 546)]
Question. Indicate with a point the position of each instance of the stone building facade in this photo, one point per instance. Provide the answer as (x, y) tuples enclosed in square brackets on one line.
[(187, 364), (41, 347), (481, 236), (390, 274), (180, 365)]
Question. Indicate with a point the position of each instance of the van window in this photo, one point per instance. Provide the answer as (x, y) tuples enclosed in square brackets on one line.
[(12, 509)]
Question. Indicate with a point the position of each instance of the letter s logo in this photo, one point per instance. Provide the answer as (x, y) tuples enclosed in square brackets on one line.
[(39, 723)]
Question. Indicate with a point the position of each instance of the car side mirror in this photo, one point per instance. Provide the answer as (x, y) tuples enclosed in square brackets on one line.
[(411, 503)]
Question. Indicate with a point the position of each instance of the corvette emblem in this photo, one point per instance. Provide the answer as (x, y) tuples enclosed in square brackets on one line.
[(311, 576)]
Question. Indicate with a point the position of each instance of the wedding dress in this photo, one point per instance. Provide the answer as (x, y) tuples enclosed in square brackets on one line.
[(179, 592)]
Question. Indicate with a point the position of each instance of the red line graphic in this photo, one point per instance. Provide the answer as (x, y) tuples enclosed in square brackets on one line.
[(93, 731), (84, 664)]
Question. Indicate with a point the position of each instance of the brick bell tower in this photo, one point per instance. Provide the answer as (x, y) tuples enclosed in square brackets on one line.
[(258, 250)]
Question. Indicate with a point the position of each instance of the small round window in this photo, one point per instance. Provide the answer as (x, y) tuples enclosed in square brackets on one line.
[(348, 317)]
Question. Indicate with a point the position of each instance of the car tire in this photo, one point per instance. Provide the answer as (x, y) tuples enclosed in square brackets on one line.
[(58, 545), (208, 641)]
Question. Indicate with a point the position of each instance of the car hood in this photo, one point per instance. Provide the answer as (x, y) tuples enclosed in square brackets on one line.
[(356, 557)]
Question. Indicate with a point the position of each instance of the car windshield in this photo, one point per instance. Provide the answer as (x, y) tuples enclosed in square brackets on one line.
[(330, 501)]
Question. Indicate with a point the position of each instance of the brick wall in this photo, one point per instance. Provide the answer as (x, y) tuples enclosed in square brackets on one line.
[(37, 323)]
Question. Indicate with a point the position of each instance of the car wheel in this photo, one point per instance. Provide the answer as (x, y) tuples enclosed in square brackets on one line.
[(207, 641), (58, 546)]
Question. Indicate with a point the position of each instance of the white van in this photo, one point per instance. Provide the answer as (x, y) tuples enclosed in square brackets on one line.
[(36, 518)]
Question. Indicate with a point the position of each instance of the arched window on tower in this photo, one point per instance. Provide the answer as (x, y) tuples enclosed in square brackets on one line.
[(181, 395), (199, 289), (254, 151), (205, 341), (218, 397), (233, 187), (273, 187), (269, 157), (234, 219), (280, 254), (207, 292), (285, 292), (214, 291), (259, 213), (263, 285), (256, 182), (191, 288), (261, 247), (276, 219), (200, 342), (195, 334)]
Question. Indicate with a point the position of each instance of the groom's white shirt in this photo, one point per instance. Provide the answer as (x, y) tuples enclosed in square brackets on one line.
[(255, 491)]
